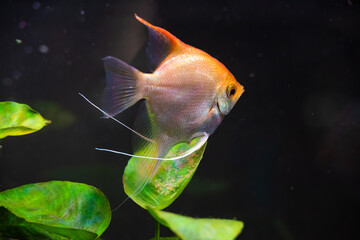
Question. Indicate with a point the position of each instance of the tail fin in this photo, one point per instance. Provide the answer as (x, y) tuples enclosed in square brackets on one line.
[(122, 89)]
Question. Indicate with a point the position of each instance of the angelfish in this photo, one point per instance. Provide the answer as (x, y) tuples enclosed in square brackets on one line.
[(186, 96)]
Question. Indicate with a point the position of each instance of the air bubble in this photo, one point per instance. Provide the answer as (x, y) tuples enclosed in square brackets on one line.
[(43, 49), (36, 5), (22, 24)]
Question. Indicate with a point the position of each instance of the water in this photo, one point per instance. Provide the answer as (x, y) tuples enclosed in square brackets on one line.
[(285, 161)]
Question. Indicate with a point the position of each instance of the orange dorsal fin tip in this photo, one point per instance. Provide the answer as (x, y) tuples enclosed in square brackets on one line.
[(174, 40), (143, 21), (161, 44)]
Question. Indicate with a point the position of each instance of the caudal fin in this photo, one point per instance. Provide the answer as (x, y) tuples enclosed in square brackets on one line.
[(122, 86)]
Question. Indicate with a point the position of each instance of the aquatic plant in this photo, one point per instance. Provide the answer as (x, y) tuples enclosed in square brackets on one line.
[(166, 186), (198, 228), (19, 119), (169, 181), (67, 210), (54, 210)]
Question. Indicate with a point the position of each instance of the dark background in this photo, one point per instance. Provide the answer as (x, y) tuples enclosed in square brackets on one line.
[(286, 159)]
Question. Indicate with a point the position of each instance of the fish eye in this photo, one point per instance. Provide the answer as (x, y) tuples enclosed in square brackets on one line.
[(231, 91)]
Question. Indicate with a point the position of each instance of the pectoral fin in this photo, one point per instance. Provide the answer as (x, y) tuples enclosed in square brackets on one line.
[(196, 147)]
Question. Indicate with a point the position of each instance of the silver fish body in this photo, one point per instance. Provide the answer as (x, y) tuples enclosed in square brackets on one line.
[(187, 96)]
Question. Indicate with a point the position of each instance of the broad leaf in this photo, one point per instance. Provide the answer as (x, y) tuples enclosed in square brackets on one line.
[(168, 182), (19, 119), (188, 228), (54, 210)]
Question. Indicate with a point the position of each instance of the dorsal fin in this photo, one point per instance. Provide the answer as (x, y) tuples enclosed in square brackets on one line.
[(161, 43)]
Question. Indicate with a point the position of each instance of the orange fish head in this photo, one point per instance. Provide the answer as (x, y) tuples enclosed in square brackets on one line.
[(228, 94)]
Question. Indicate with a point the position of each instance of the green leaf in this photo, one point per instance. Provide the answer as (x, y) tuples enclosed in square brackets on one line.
[(19, 119), (168, 182), (188, 228), (54, 210)]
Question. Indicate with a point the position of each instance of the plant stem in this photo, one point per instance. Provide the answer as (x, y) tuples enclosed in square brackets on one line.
[(157, 230)]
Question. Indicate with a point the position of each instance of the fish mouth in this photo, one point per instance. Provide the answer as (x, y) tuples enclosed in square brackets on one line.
[(220, 113)]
